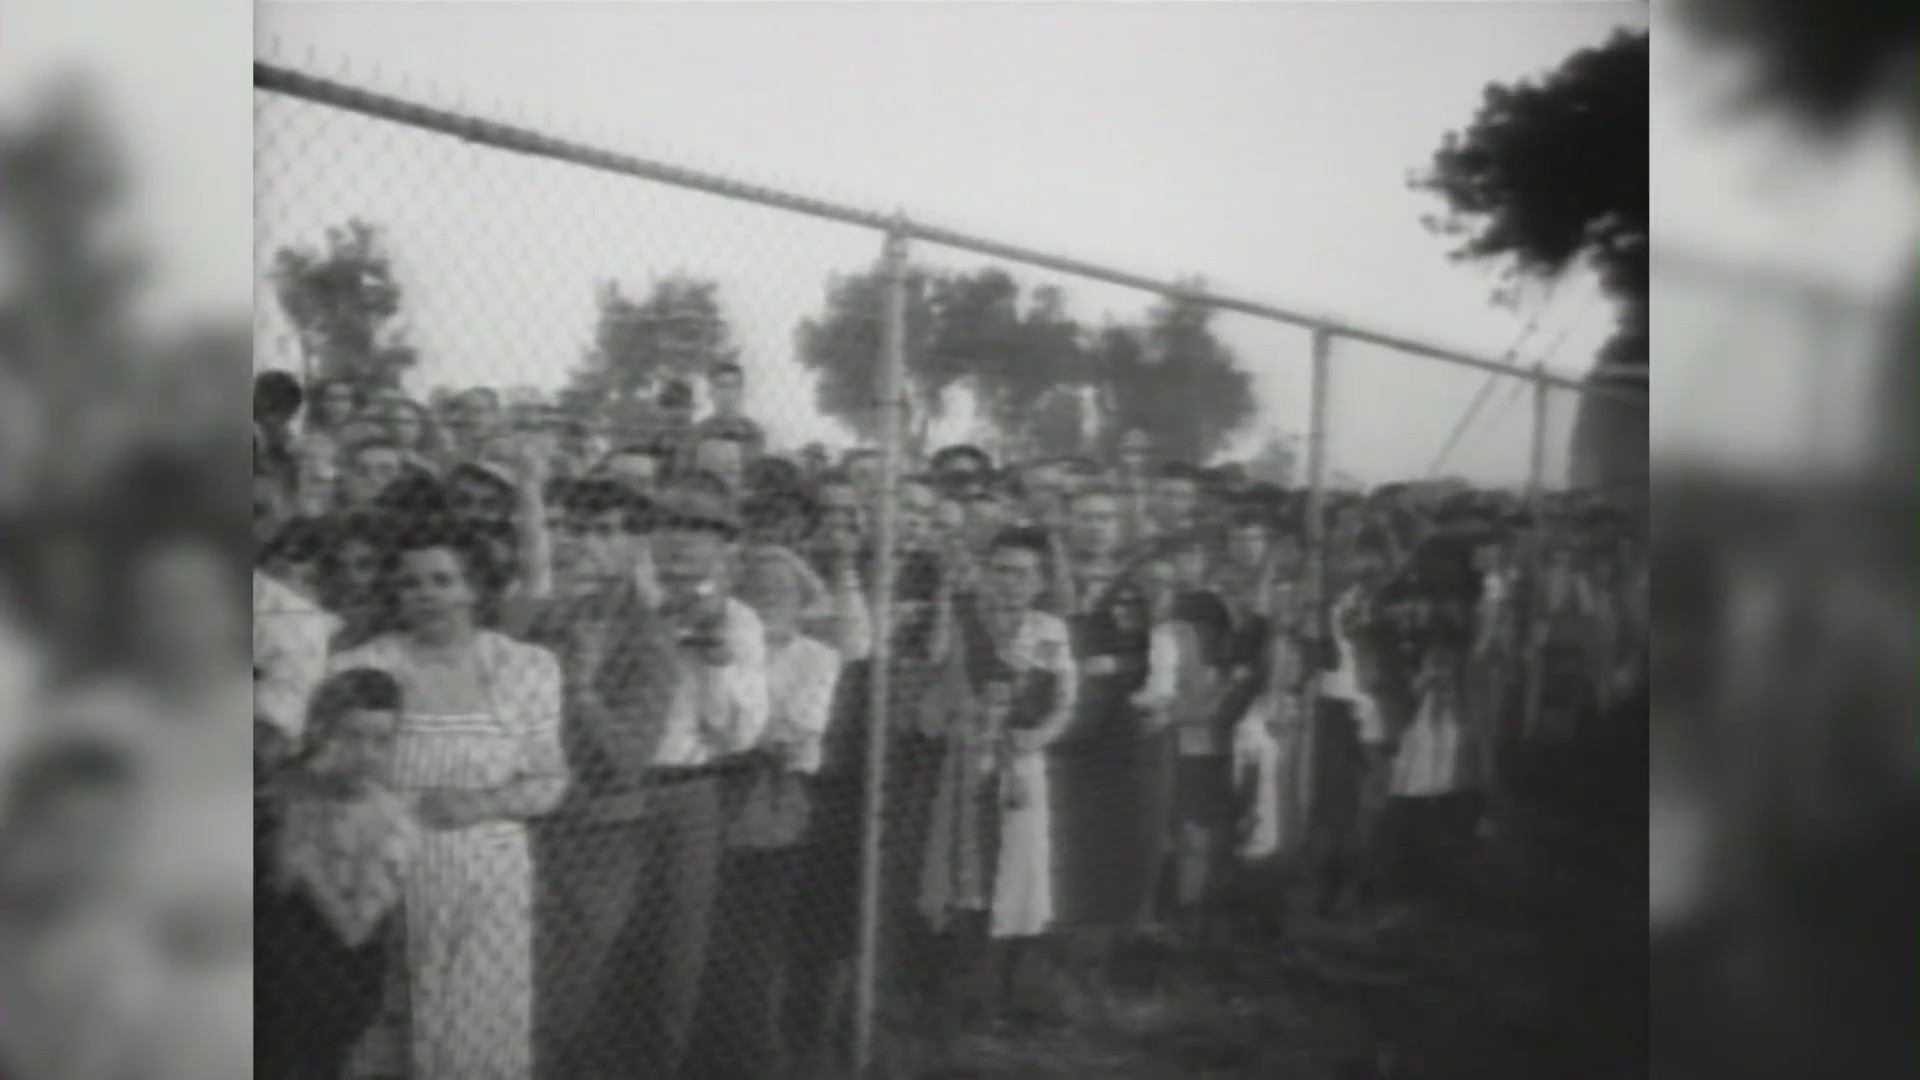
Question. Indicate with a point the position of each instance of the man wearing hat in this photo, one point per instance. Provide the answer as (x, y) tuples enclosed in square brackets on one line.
[(618, 659), (505, 492), (716, 708), (641, 465), (961, 469)]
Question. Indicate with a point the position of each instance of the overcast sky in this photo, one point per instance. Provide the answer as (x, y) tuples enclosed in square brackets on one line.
[(1265, 146), (1262, 145)]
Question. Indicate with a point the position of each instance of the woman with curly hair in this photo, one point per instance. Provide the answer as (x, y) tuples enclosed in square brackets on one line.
[(479, 751)]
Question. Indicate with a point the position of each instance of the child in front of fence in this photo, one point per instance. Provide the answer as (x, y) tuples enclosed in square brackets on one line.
[(339, 842)]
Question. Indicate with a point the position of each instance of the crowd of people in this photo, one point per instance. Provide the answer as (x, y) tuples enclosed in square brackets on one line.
[(560, 734)]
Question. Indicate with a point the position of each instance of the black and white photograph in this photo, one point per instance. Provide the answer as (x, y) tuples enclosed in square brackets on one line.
[(829, 608), (855, 541)]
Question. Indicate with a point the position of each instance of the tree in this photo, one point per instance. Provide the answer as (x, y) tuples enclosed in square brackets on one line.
[(1012, 359), (959, 328), (678, 330), (345, 303), (842, 348), (1553, 171), (1174, 380), (1026, 362)]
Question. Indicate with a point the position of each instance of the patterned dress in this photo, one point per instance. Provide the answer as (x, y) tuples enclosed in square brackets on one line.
[(990, 834), (469, 893)]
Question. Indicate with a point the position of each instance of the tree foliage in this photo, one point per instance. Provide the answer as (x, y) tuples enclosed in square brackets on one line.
[(1025, 360), (1554, 170), (960, 329), (1173, 379), (345, 303), (677, 330)]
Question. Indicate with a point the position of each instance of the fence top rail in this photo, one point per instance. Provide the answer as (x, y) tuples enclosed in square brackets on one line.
[(515, 139)]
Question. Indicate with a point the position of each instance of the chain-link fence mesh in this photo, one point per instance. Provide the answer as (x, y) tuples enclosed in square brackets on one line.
[(583, 541), (561, 327), (1394, 421)]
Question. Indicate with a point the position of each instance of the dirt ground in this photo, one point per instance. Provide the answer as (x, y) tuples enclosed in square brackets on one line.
[(1541, 975)]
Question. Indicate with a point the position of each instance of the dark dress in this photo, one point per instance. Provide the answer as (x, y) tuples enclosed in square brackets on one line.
[(314, 995), (825, 912), (1206, 808), (1111, 779), (913, 768)]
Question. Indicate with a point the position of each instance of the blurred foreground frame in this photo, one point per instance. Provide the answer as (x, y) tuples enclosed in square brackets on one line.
[(93, 378), (1785, 730)]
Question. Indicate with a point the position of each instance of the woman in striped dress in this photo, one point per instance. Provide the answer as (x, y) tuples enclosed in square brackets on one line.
[(479, 751)]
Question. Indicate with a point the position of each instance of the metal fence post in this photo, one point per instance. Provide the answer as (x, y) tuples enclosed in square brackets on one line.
[(893, 277), (1317, 571), (1536, 557)]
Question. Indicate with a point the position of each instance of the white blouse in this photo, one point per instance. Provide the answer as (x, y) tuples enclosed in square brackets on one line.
[(1182, 688), (801, 678), (291, 637), (1044, 643)]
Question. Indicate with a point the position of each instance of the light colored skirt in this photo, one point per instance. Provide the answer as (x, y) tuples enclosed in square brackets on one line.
[(971, 827), (1437, 756), (1272, 763)]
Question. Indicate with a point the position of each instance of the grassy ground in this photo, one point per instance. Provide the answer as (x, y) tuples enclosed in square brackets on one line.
[(1541, 976)]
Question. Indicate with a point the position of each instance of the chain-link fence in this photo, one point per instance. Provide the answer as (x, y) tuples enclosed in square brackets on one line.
[(718, 748)]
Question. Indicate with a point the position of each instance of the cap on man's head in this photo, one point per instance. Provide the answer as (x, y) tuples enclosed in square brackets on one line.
[(491, 473), (774, 474), (971, 487), (965, 454), (483, 396), (687, 508), (603, 494)]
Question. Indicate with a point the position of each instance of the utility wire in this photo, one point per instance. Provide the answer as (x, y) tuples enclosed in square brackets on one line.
[(1486, 389)]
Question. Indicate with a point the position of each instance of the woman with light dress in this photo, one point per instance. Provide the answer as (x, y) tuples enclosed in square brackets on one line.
[(1437, 783), (479, 751), (1008, 693)]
